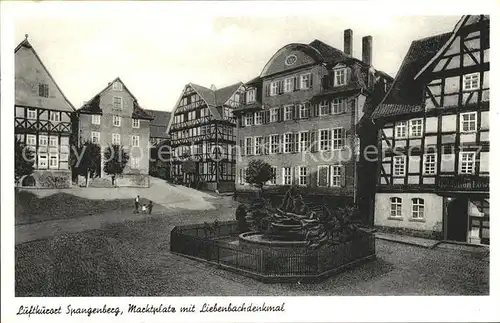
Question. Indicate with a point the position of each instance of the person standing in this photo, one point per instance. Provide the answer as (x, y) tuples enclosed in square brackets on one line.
[(150, 207), (136, 203)]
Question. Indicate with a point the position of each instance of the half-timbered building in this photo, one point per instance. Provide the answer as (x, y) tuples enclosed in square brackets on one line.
[(114, 117), (306, 114), (43, 119), (434, 138), (202, 128)]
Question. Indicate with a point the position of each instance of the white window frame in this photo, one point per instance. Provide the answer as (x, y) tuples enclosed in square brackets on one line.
[(258, 118), (396, 207), (135, 123), (340, 76), (469, 122), (303, 111), (121, 102), (338, 142), (320, 167), (55, 116), (43, 140), (43, 160), (288, 112), (471, 81), (430, 163), (288, 85), (116, 139), (31, 138), (53, 141), (287, 178), (31, 114), (54, 156), (304, 139), (273, 114), (249, 146), (416, 130), (135, 162), (275, 88), (134, 140), (335, 176), (305, 81), (469, 164), (258, 145), (401, 130), (287, 143), (274, 171), (303, 177), (250, 96), (115, 119), (274, 147), (325, 144), (324, 105), (417, 208), (338, 105), (249, 119), (95, 134), (96, 119), (117, 86), (397, 165)]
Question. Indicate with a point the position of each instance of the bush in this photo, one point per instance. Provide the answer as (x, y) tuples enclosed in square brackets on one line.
[(241, 212)]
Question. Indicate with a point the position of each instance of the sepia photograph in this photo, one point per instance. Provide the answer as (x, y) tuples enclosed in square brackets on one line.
[(164, 155)]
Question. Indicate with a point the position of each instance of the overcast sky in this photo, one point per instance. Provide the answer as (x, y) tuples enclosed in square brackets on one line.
[(157, 52)]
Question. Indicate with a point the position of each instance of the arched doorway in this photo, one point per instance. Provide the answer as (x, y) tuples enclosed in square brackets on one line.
[(457, 219)]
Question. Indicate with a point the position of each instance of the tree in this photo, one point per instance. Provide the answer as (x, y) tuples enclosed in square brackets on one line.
[(258, 173), (24, 160), (116, 158), (88, 160)]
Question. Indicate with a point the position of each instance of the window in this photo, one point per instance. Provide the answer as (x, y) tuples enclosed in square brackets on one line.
[(117, 120), (248, 146), (288, 112), (396, 206), (115, 139), (417, 208), (288, 142), (274, 172), (54, 160), (467, 162), (43, 90), (416, 127), (275, 143), (96, 119), (273, 114), (31, 140), (399, 165), (289, 84), (338, 135), (302, 175), (471, 81), (258, 118), (53, 141), (287, 176), (135, 162), (339, 105), (135, 141), (250, 96), (117, 86), (248, 119), (468, 122), (43, 140), (324, 108), (42, 160), (259, 141), (96, 137), (31, 113), (340, 77), (275, 88), (323, 175), (336, 176), (135, 123), (303, 141), (305, 81), (243, 173), (55, 116), (325, 139), (117, 102), (303, 111), (430, 164), (401, 129)]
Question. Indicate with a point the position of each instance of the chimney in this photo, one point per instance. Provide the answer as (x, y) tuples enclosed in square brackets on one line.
[(348, 42), (367, 50)]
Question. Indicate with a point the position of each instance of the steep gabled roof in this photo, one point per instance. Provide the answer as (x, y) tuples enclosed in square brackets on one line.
[(225, 93), (26, 44), (159, 124), (93, 105), (405, 95)]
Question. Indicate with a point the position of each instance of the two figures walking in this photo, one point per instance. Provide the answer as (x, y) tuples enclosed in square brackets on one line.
[(143, 208)]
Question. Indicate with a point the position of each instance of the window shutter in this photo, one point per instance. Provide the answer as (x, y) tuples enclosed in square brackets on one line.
[(297, 111), (344, 137), (296, 83), (310, 81), (308, 109), (281, 113), (281, 85), (266, 145), (296, 174), (342, 175), (280, 144), (267, 116), (313, 140), (242, 148), (316, 109), (268, 89)]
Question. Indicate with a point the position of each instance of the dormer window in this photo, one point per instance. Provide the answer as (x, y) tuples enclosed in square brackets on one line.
[(117, 86), (340, 77), (250, 96)]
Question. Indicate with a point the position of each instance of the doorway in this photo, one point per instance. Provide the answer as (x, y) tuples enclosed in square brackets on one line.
[(457, 216)]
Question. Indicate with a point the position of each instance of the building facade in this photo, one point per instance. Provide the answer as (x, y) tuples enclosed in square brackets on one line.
[(434, 138), (201, 128), (307, 116), (158, 126), (114, 117), (43, 120)]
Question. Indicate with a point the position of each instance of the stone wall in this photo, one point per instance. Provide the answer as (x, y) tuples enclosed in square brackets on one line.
[(48, 179)]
